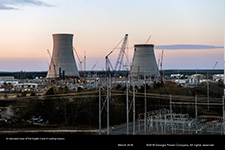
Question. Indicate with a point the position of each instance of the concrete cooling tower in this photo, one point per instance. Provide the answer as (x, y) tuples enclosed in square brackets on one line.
[(144, 61), (62, 61)]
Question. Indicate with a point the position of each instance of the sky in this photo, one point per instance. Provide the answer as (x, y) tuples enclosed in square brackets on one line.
[(191, 32)]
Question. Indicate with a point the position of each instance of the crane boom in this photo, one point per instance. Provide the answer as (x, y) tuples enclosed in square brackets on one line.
[(108, 63), (80, 62), (161, 65), (121, 54), (215, 65), (148, 39), (157, 69), (52, 63), (94, 66), (214, 68)]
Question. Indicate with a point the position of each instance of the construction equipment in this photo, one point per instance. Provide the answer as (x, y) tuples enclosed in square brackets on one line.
[(120, 56), (52, 62), (108, 63), (148, 39), (161, 65), (156, 78), (213, 69), (53, 65), (208, 75), (85, 58), (94, 66), (80, 61)]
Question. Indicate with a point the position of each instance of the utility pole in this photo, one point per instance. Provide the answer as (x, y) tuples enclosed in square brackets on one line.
[(100, 109), (171, 113), (85, 64), (145, 105), (208, 88), (208, 75), (127, 103), (223, 115), (108, 79), (196, 108), (161, 67), (65, 113), (133, 106)]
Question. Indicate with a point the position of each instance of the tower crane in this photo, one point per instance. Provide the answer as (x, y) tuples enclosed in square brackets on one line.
[(208, 75), (53, 63), (94, 66), (161, 65), (120, 56), (157, 69), (213, 68), (85, 58), (80, 61), (148, 39)]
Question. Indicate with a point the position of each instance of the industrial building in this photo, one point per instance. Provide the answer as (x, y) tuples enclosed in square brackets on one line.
[(217, 77), (144, 62), (62, 61), (195, 78), (25, 87), (8, 80)]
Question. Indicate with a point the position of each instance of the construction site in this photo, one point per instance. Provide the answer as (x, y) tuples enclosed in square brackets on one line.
[(144, 99)]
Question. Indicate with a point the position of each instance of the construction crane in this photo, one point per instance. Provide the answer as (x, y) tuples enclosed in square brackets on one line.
[(208, 75), (213, 69), (80, 61), (85, 58), (53, 63), (161, 65), (120, 56), (94, 66), (157, 69), (107, 61), (148, 39)]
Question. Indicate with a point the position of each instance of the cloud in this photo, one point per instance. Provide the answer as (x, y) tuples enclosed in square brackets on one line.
[(187, 46), (14, 4)]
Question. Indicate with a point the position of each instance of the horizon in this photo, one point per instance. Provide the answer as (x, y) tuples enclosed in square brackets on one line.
[(116, 71)]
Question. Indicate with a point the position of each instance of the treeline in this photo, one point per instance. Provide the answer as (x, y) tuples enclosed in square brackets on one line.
[(25, 75), (32, 75), (85, 111)]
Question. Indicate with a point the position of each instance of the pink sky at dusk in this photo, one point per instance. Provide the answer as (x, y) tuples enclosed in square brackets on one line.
[(26, 30)]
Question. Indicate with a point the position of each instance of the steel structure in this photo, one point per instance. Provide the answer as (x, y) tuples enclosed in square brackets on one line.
[(119, 58), (165, 121), (121, 54), (80, 61)]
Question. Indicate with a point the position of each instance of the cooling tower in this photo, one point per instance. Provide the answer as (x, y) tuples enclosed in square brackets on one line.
[(62, 61), (144, 61)]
